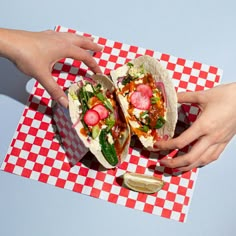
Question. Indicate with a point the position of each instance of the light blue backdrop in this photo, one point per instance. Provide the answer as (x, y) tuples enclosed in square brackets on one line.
[(202, 30)]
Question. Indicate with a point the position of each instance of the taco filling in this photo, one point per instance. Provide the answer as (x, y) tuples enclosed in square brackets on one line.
[(146, 101), (103, 123)]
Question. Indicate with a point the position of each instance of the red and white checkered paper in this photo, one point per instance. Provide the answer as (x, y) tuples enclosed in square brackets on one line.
[(36, 153)]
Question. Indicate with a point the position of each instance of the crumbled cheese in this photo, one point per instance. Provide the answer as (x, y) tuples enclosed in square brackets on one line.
[(110, 139), (138, 81), (88, 88), (143, 119), (103, 126), (137, 112), (137, 72)]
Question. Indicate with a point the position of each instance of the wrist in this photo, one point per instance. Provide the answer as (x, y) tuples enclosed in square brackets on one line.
[(8, 39)]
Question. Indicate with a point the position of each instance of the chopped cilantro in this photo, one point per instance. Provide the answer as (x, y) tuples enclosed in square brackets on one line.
[(160, 122), (129, 64), (144, 128), (154, 100)]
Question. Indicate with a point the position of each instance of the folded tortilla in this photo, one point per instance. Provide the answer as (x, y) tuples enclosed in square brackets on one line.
[(114, 130), (147, 70)]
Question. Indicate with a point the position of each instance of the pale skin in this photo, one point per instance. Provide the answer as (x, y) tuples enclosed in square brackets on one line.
[(212, 131), (35, 53)]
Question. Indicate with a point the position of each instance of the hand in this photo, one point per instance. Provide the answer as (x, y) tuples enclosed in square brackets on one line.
[(212, 131), (35, 53)]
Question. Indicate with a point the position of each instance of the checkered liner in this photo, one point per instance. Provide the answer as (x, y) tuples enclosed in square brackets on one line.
[(72, 144), (35, 151)]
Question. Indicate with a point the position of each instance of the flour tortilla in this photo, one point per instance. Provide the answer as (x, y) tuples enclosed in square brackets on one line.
[(160, 74), (75, 113)]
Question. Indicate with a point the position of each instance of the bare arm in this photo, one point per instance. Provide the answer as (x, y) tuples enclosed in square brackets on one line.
[(35, 53)]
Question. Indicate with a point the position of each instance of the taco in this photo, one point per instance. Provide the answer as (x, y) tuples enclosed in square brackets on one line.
[(99, 120), (148, 98)]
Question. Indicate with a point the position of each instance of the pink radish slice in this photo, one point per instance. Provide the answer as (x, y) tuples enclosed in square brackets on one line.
[(140, 101), (90, 80), (101, 110), (145, 89), (91, 117)]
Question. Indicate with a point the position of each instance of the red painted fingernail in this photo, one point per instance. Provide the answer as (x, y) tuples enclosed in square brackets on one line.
[(175, 170), (155, 145)]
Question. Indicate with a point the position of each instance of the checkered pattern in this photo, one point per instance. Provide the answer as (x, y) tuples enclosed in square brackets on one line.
[(35, 151), (72, 144)]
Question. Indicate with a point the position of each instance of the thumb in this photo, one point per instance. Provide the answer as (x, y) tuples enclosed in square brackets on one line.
[(53, 89)]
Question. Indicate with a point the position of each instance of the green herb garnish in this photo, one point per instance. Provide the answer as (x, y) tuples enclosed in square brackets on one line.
[(160, 122), (143, 114), (110, 122), (130, 64), (144, 128), (104, 100), (154, 100), (127, 79), (97, 88)]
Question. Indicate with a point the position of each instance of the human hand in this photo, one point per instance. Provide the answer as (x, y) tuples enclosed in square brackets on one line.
[(212, 131), (35, 53)]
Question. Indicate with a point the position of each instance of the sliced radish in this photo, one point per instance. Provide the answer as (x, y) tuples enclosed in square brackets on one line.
[(91, 117), (145, 89), (140, 101), (101, 110), (90, 80)]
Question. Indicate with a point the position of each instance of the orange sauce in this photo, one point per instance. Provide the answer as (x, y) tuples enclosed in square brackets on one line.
[(120, 123), (83, 131), (93, 101), (155, 111)]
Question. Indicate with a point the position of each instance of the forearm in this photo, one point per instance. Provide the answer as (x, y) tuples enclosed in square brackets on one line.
[(8, 43)]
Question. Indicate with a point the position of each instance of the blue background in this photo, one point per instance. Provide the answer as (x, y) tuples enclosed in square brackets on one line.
[(202, 30)]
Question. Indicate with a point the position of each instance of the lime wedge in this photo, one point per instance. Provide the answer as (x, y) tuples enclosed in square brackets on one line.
[(143, 183)]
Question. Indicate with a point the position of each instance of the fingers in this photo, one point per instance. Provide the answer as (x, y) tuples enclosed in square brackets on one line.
[(187, 137), (210, 155), (195, 131), (82, 55), (190, 97), (78, 40), (72, 46), (197, 157), (87, 43), (185, 160), (53, 89), (78, 47)]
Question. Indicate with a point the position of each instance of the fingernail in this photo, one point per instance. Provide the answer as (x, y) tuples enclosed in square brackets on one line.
[(175, 170), (155, 145), (89, 37), (63, 102)]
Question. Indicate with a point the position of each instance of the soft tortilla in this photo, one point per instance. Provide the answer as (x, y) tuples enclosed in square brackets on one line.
[(75, 112), (152, 66)]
